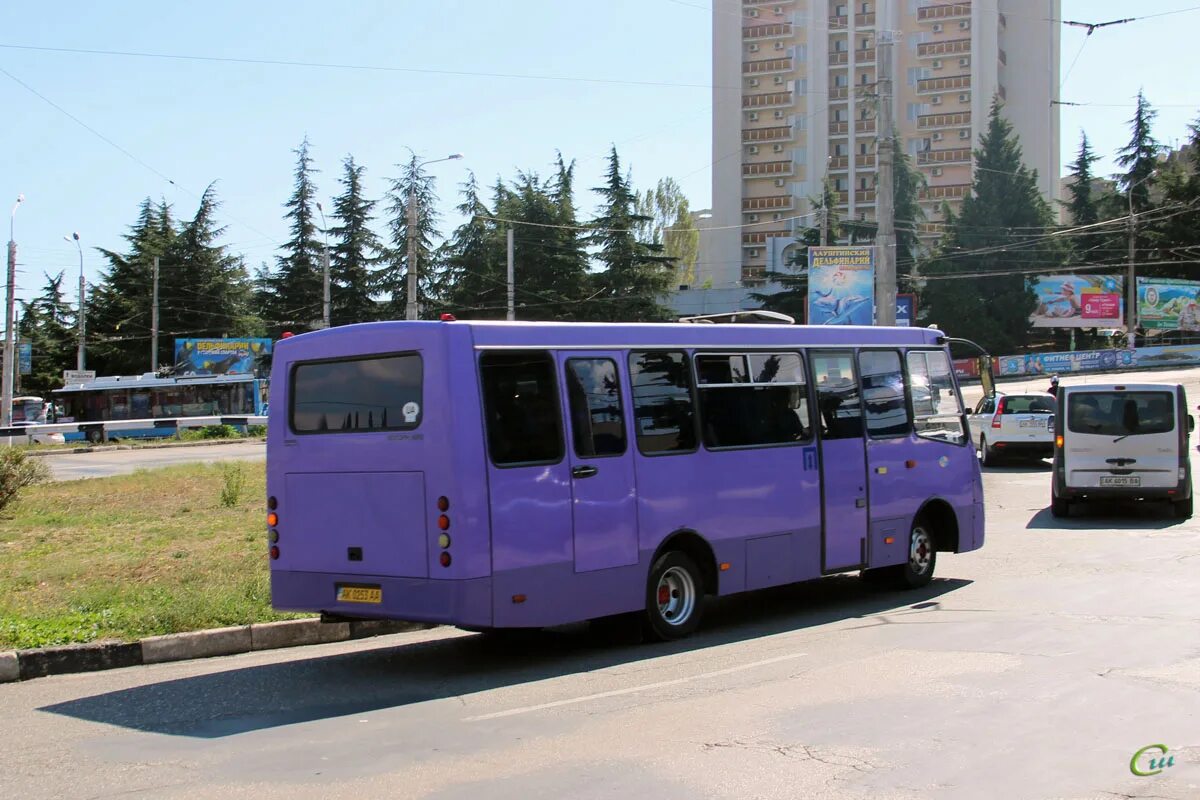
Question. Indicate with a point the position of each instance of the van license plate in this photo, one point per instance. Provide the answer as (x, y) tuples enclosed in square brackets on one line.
[(360, 594), (1122, 480)]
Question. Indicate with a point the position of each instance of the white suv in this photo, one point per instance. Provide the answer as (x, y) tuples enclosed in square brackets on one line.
[(1014, 425)]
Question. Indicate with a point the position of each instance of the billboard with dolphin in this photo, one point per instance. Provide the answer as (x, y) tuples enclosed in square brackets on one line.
[(222, 356), (841, 285)]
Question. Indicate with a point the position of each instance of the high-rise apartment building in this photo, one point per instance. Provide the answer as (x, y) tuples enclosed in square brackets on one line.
[(795, 102)]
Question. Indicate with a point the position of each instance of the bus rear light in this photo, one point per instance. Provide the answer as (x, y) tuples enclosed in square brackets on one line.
[(444, 559), (444, 522), (274, 552), (272, 520), (443, 504), (518, 598), (444, 541), (274, 536), (272, 503)]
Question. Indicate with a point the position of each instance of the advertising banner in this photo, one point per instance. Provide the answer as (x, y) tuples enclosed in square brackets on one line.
[(1078, 301), (1168, 304), (1099, 360), (25, 358), (841, 285), (220, 356)]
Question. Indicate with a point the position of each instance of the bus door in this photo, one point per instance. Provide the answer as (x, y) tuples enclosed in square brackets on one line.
[(843, 459), (603, 497)]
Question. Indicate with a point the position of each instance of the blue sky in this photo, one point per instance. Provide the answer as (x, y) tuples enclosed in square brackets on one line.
[(236, 123)]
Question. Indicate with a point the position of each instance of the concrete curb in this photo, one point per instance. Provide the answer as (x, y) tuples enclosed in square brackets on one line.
[(38, 663), (108, 448)]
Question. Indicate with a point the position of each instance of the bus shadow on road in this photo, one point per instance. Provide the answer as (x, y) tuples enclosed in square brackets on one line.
[(1108, 516), (300, 690), (1029, 467)]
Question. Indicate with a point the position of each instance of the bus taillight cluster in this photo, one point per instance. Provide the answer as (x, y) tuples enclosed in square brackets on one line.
[(443, 505), (272, 526)]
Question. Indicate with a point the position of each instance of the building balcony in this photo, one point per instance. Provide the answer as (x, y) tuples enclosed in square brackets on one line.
[(776, 30), (837, 23), (768, 169), (766, 66), (931, 122), (866, 161), (947, 84), (864, 20), (950, 47), (782, 202), (864, 197), (957, 155), (864, 126), (864, 56), (759, 238), (753, 276), (839, 93), (952, 192), (774, 134), (942, 11), (839, 163), (839, 58), (839, 129), (769, 100)]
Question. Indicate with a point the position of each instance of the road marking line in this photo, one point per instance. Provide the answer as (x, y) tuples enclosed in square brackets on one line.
[(633, 689)]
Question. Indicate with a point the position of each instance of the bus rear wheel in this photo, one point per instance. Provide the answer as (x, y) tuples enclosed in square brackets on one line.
[(674, 597)]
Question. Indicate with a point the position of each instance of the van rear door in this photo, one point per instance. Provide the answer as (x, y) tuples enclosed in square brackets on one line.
[(1121, 439)]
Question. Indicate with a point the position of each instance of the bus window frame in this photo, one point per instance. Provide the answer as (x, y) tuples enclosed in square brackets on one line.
[(910, 419), (912, 410), (291, 383), (745, 352), (558, 405), (693, 395)]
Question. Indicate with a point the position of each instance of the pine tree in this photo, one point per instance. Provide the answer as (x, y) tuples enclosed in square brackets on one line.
[(392, 280), (48, 324), (295, 298), (977, 285), (119, 307), (1179, 231), (474, 266), (355, 253), (635, 275), (1140, 156)]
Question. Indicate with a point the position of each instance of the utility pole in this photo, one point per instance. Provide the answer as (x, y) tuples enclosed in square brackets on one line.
[(325, 303), (412, 309), (10, 365), (512, 311), (1131, 282), (885, 237), (824, 218), (154, 322), (81, 324)]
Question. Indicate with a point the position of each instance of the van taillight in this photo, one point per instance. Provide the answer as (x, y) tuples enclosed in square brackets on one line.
[(999, 411)]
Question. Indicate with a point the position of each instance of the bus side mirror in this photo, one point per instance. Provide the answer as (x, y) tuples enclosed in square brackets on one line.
[(1191, 423), (986, 377)]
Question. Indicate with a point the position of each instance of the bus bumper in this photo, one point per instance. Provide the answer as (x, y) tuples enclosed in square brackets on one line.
[(457, 602)]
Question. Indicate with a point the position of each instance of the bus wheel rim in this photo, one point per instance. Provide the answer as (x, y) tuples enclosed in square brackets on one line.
[(676, 596), (920, 551)]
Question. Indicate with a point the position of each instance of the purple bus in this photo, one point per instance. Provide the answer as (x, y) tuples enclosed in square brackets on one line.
[(524, 475)]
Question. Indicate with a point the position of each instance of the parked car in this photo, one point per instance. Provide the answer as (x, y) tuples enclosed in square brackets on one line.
[(1125, 442), (1013, 425), (42, 438)]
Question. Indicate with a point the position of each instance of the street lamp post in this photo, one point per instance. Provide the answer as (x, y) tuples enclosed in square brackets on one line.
[(10, 366), (325, 303), (1130, 276), (80, 358), (412, 307)]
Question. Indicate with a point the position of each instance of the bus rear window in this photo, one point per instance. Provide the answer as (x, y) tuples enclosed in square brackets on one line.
[(381, 393)]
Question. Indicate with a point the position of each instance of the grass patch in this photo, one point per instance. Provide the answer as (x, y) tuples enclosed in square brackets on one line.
[(133, 555)]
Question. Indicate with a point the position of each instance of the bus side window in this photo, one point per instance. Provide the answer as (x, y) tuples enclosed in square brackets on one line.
[(752, 400), (521, 408), (937, 411), (664, 419), (838, 405), (597, 418), (883, 394)]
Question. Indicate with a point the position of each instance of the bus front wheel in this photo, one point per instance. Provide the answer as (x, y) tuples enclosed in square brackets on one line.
[(674, 597), (914, 573)]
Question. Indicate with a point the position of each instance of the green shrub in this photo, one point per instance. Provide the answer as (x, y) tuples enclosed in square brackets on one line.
[(256, 431), (234, 479), (210, 432), (17, 471)]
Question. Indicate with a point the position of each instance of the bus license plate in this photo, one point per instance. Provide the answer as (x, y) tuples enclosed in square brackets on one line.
[(359, 594), (1122, 480)]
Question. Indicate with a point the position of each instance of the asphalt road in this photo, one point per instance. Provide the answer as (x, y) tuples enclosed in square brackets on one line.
[(73, 466), (1034, 668)]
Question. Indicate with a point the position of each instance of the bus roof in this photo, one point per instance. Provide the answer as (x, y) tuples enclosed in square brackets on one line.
[(500, 334), (151, 381)]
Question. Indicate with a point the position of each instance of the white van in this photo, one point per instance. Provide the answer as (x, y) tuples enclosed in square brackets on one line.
[(1126, 441)]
